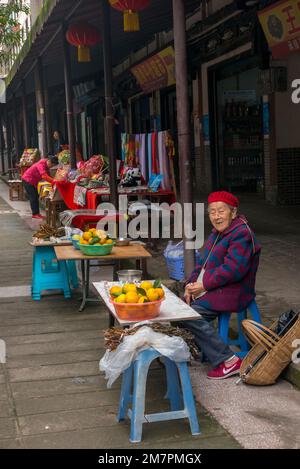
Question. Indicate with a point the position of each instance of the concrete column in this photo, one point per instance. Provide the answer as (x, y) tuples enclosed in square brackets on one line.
[(40, 109), (183, 123)]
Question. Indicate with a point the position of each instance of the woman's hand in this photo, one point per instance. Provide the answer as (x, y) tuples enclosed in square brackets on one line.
[(187, 297), (194, 289)]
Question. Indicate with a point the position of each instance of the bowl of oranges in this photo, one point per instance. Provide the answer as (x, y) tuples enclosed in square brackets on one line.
[(137, 302), (95, 243)]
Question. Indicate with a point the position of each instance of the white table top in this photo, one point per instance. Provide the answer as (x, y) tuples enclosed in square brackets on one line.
[(172, 308)]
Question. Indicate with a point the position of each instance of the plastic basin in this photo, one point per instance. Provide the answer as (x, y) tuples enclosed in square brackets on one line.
[(90, 250), (138, 312), (75, 243)]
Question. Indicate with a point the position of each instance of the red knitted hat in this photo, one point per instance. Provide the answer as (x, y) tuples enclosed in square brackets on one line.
[(223, 196)]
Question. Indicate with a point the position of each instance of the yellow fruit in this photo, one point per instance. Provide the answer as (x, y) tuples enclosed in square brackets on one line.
[(161, 292), (76, 237), (109, 241), (129, 287), (87, 235), (146, 285), (84, 242), (132, 297), (120, 299), (115, 291), (143, 299), (92, 230), (103, 241), (152, 294)]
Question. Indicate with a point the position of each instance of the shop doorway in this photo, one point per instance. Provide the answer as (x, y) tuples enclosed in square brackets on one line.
[(236, 123)]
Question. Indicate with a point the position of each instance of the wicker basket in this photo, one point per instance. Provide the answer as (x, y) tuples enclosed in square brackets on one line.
[(277, 352)]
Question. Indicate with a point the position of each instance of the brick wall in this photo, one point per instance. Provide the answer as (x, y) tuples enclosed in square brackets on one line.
[(288, 160)]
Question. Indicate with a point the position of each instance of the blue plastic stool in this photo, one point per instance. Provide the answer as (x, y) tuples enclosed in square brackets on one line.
[(223, 326), (71, 265), (138, 371), (48, 273)]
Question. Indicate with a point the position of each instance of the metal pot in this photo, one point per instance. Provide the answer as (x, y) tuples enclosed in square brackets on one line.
[(130, 276), (123, 241)]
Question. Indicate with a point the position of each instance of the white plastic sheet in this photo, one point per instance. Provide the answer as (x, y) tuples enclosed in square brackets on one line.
[(113, 363)]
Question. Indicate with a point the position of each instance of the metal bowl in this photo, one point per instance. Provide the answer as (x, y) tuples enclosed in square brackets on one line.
[(130, 276), (123, 241)]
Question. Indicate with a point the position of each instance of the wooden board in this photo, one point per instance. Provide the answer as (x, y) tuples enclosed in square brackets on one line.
[(50, 243), (64, 253), (172, 308)]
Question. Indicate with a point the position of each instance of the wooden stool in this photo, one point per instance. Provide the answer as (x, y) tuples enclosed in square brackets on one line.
[(16, 190), (53, 208)]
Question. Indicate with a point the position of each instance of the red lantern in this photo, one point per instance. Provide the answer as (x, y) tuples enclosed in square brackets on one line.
[(130, 10), (83, 36)]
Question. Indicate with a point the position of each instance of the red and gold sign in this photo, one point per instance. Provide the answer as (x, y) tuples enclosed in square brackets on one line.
[(281, 25), (130, 10), (83, 36), (156, 72)]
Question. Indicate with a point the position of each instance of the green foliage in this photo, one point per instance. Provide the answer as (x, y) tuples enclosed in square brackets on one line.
[(10, 28)]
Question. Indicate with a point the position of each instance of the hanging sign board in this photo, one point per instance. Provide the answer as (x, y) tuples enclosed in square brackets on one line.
[(281, 26), (156, 72)]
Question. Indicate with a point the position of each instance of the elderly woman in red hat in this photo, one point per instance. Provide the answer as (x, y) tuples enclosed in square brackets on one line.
[(224, 280)]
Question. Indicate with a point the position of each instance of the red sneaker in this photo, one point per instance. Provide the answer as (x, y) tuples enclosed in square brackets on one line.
[(39, 217), (222, 371)]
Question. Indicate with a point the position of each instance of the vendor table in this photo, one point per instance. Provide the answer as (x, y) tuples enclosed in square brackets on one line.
[(134, 251), (95, 196), (172, 308)]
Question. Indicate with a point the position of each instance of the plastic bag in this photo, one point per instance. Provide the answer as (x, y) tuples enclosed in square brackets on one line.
[(113, 363), (72, 231), (174, 250)]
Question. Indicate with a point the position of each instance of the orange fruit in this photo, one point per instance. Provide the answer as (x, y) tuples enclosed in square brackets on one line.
[(132, 297), (115, 291), (109, 241), (120, 299), (143, 299), (84, 242), (152, 294), (129, 287), (87, 236), (161, 292), (146, 285)]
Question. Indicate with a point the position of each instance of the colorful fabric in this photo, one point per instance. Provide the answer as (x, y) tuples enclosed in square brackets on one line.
[(164, 167), (80, 196), (155, 166), (34, 174), (143, 157), (149, 156), (230, 271)]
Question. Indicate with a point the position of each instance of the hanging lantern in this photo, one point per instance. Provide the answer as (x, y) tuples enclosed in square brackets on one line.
[(130, 10), (83, 36)]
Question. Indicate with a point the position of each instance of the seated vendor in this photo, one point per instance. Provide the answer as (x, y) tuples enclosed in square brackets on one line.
[(33, 176), (223, 281)]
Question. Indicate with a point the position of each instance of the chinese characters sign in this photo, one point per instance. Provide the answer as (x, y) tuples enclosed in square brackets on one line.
[(156, 72), (281, 25)]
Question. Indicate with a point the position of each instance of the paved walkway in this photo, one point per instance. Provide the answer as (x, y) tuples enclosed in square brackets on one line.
[(52, 394)]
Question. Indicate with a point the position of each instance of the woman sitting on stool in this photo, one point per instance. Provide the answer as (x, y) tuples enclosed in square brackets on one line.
[(223, 281)]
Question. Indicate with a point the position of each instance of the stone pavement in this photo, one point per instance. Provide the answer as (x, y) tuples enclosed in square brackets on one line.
[(53, 396)]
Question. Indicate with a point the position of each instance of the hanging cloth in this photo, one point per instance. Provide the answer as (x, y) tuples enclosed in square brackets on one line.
[(143, 157), (149, 156), (124, 141), (155, 169), (137, 149), (164, 161)]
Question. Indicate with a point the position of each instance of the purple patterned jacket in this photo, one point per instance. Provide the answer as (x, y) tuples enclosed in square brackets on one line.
[(230, 271)]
